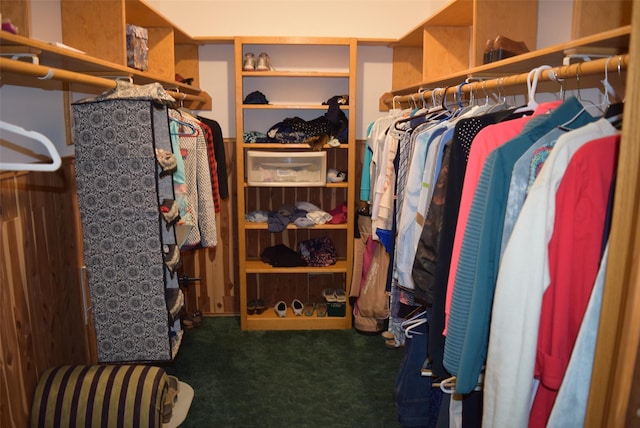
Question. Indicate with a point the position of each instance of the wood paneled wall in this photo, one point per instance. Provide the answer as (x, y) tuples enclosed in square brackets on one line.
[(41, 319)]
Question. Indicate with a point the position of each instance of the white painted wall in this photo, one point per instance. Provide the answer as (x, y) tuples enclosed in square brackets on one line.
[(328, 18), (31, 108)]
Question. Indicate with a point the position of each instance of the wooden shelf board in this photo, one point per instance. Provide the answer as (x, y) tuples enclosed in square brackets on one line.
[(57, 57), (457, 13), (329, 41), (257, 266), (342, 184), (139, 12), (371, 41), (552, 56), (289, 107), (264, 226), (295, 73), (269, 320), (257, 146), (214, 40)]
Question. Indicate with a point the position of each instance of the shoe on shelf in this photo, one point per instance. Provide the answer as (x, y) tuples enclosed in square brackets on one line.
[(281, 309), (260, 306), (321, 309), (297, 307), (264, 62), (329, 294), (251, 307), (504, 47), (249, 63), (308, 309), (340, 295), (488, 52)]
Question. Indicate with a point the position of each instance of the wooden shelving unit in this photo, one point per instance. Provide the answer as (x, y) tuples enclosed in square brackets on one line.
[(453, 39), (259, 280), (66, 60), (617, 40)]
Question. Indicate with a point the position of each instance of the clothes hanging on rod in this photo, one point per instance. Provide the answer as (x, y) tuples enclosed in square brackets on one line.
[(484, 193), (195, 190)]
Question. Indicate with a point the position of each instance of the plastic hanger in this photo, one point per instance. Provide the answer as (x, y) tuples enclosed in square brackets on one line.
[(532, 85), (192, 128), (606, 102), (408, 331), (51, 149), (614, 111)]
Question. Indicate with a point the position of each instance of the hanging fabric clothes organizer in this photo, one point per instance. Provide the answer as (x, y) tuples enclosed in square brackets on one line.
[(124, 178)]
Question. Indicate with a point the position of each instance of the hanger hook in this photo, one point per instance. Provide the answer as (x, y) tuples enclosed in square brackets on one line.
[(459, 93), (608, 90), (421, 92), (578, 67), (444, 97), (619, 66), (434, 94), (393, 102), (486, 95)]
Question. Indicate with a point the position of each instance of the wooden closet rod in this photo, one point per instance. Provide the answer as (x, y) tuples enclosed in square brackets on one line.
[(564, 72), (45, 73)]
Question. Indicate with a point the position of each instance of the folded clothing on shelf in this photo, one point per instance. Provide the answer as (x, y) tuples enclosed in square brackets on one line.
[(280, 255)]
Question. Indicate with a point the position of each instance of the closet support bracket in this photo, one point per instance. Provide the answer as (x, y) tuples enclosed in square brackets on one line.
[(34, 59)]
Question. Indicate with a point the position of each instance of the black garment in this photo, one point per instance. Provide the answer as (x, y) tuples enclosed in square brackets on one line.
[(255, 97), (472, 409), (464, 133), (296, 130), (282, 256), (221, 159), (424, 264)]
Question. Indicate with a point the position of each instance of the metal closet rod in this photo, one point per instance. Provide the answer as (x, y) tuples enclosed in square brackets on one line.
[(45, 73), (614, 63)]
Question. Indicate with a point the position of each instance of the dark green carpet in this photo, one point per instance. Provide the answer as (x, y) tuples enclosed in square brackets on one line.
[(286, 378)]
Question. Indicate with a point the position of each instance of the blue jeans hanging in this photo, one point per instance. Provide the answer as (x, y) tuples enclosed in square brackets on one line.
[(417, 402)]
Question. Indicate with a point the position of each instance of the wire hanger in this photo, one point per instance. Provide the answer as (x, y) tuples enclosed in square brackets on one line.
[(51, 149)]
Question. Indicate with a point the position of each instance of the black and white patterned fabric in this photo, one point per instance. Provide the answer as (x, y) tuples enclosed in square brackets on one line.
[(124, 236)]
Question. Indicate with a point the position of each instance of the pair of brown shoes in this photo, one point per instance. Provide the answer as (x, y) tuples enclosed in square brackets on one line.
[(502, 47)]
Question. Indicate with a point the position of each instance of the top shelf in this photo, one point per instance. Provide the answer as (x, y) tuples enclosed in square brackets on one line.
[(144, 15), (293, 73), (66, 59), (318, 41), (617, 40), (457, 13)]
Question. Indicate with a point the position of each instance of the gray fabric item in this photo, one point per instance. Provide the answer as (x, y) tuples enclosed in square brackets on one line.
[(257, 216), (119, 193), (570, 407), (127, 90)]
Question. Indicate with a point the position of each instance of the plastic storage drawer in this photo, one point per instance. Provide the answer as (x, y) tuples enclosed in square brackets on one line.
[(286, 168)]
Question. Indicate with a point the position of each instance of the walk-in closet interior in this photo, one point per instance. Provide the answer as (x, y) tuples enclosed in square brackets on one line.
[(457, 178)]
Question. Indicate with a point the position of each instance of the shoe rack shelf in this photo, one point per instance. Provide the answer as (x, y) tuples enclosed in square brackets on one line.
[(306, 72)]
